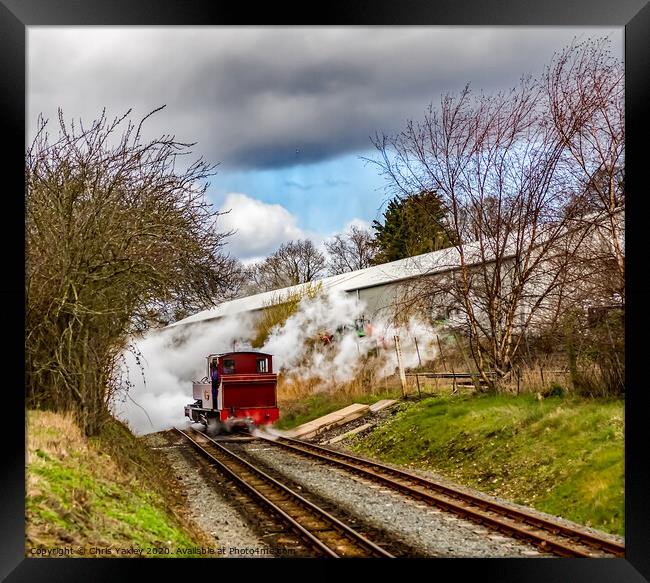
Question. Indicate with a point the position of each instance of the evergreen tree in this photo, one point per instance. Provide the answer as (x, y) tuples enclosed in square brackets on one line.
[(412, 226)]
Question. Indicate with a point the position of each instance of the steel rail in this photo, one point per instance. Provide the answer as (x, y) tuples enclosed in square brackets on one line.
[(292, 497), (405, 481)]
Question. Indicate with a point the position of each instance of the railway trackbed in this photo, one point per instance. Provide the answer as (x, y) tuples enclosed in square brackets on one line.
[(547, 535), (324, 533)]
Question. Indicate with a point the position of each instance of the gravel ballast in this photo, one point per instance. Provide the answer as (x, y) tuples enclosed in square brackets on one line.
[(211, 510), (423, 529), (429, 531)]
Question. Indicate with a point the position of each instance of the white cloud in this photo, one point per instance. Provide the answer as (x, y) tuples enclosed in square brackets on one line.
[(260, 227)]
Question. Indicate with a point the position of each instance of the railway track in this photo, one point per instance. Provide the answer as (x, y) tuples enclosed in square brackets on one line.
[(546, 535), (324, 533)]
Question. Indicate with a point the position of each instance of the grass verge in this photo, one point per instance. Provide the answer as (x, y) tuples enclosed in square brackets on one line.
[(564, 456), (101, 497)]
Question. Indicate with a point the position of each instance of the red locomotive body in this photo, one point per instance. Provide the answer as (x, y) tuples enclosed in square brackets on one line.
[(246, 395)]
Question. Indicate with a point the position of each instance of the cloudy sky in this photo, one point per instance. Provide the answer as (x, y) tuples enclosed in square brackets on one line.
[(287, 113)]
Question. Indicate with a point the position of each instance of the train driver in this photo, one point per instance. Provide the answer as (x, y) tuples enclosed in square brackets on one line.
[(214, 377)]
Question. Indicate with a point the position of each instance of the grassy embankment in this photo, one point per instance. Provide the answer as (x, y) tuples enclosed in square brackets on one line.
[(107, 493), (564, 456)]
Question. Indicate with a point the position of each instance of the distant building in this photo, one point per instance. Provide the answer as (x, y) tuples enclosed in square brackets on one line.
[(381, 286)]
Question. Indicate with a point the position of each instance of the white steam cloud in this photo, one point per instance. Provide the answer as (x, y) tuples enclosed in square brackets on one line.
[(169, 360), (320, 343), (298, 345)]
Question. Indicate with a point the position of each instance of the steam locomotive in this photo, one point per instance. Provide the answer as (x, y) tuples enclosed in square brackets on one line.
[(246, 397)]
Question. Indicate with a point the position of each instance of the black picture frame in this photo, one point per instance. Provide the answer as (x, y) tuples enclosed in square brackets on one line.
[(16, 15)]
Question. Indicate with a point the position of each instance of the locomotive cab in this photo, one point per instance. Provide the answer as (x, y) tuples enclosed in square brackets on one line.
[(246, 396)]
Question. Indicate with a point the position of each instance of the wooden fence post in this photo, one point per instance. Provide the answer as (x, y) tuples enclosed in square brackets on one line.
[(402, 375), (417, 350)]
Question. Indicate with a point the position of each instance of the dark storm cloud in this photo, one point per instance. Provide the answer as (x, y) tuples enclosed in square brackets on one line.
[(271, 97)]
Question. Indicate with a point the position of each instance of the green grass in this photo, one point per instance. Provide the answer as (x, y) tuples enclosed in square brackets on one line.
[(562, 456), (106, 492)]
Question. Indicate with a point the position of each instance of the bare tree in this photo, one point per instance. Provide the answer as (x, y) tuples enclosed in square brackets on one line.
[(585, 91), (584, 87), (293, 263), (350, 251), (115, 233), (506, 176), (230, 278)]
